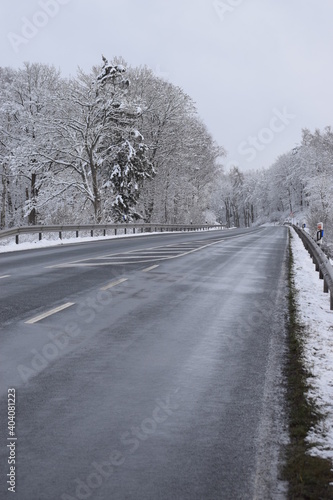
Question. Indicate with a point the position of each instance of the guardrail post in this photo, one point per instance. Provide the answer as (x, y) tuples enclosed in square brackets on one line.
[(104, 232), (77, 234), (133, 230), (125, 230), (331, 304), (40, 236), (60, 235), (325, 287), (92, 233), (115, 231), (17, 239)]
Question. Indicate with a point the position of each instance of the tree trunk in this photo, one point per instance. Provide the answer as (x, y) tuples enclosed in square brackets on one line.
[(32, 217), (97, 195), (227, 213), (3, 200)]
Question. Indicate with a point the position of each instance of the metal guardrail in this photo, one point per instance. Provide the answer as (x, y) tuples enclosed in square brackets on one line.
[(321, 261), (103, 228)]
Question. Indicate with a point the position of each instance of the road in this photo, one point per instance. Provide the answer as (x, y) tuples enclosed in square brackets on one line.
[(146, 367)]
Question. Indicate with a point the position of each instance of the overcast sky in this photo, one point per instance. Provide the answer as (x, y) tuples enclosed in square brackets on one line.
[(258, 70)]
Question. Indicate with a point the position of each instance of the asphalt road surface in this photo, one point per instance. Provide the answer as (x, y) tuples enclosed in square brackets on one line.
[(145, 368)]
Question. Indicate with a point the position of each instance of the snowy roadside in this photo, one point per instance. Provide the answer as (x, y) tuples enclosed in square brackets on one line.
[(9, 245), (315, 315)]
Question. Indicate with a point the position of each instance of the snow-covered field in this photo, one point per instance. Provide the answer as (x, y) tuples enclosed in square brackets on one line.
[(315, 314)]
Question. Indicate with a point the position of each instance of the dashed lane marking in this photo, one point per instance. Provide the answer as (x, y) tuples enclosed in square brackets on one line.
[(5, 276), (49, 313), (150, 268), (114, 283)]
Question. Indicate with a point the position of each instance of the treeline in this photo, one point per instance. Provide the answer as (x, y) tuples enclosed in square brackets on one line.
[(299, 185), (115, 144)]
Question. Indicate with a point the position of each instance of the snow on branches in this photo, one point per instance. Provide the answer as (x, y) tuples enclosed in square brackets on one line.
[(99, 148)]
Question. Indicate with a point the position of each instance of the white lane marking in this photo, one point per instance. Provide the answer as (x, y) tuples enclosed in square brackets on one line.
[(69, 264), (165, 257), (5, 276), (129, 255), (112, 263), (164, 250), (150, 268), (195, 250), (136, 257), (114, 283), (49, 313), (139, 256)]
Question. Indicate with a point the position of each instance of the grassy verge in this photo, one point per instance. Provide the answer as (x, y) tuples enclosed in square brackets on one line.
[(308, 476)]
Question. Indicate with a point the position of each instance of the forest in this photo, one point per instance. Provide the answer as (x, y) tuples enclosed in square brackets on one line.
[(298, 187), (120, 144)]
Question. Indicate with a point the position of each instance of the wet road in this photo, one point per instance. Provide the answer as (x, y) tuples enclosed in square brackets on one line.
[(160, 375)]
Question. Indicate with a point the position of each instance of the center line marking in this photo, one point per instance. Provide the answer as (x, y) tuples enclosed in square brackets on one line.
[(49, 313), (150, 268), (114, 283), (5, 276)]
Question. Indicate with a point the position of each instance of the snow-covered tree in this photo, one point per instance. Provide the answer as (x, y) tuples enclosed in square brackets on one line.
[(182, 151), (96, 142), (114, 144), (298, 185), (24, 101)]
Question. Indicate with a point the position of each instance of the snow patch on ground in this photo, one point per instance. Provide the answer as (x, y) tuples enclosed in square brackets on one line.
[(315, 314)]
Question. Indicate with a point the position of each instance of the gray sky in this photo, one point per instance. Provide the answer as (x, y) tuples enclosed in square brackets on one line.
[(258, 70)]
